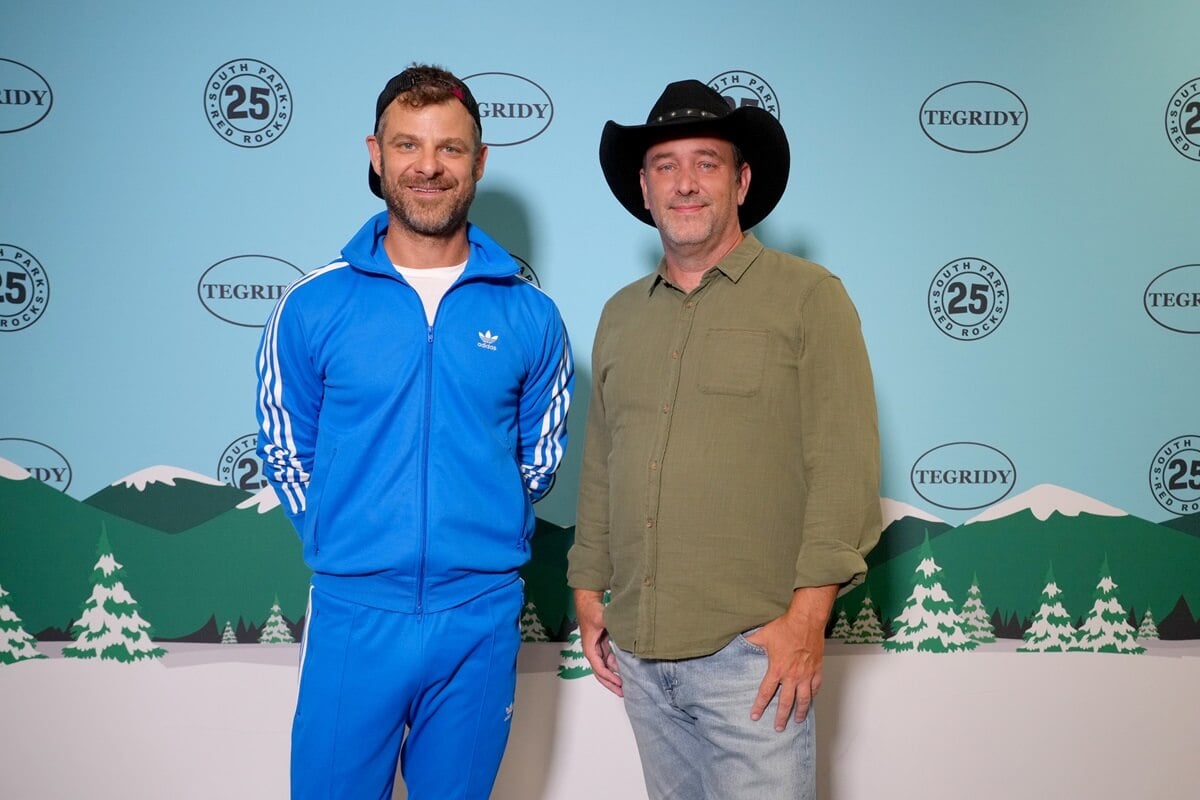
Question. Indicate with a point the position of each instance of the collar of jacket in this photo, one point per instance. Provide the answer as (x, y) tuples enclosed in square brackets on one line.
[(486, 259)]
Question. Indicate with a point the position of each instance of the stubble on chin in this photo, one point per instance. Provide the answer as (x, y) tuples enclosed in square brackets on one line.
[(441, 218)]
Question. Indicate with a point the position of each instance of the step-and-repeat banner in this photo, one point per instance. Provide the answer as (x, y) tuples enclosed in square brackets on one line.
[(1009, 192)]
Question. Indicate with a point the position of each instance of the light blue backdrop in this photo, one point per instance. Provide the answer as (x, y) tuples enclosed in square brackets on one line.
[(126, 196)]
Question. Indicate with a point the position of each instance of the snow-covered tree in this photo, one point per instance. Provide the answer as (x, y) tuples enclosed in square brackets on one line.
[(1107, 628), (573, 663), (841, 626), (928, 621), (866, 629), (111, 626), (1148, 629), (16, 644), (1051, 630), (532, 629), (227, 635), (976, 622), (275, 630)]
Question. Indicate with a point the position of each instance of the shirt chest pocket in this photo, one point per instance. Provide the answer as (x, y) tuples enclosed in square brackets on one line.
[(732, 361)]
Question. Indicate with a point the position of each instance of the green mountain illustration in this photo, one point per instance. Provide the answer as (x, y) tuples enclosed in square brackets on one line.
[(230, 567), (167, 499), (229, 564), (1188, 523), (545, 577), (1011, 545), (904, 528)]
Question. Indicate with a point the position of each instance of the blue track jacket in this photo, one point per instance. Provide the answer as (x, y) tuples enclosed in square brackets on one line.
[(408, 455)]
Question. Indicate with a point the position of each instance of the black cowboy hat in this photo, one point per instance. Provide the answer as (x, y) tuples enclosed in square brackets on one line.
[(690, 108)]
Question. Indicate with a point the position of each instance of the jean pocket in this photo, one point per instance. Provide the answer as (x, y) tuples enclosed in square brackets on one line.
[(745, 644)]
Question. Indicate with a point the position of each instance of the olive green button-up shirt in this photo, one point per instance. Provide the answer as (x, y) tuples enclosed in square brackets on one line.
[(731, 453)]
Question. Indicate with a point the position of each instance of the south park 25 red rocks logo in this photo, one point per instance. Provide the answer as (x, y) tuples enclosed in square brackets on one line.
[(248, 103), (742, 88), (24, 289), (1183, 119)]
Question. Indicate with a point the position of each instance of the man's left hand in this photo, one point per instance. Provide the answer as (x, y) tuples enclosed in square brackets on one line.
[(795, 645)]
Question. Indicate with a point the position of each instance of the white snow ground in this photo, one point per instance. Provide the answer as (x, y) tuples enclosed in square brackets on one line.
[(213, 720)]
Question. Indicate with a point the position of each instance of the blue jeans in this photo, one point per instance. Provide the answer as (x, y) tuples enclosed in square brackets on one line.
[(691, 720)]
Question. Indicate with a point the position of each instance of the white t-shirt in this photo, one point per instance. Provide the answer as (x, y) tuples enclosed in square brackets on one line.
[(431, 283)]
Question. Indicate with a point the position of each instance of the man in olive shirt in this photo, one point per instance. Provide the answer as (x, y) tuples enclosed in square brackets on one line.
[(730, 484)]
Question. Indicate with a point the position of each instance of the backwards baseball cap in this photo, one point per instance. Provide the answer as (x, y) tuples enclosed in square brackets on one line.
[(438, 84)]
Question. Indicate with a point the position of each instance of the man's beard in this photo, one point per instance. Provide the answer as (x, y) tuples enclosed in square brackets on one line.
[(436, 219)]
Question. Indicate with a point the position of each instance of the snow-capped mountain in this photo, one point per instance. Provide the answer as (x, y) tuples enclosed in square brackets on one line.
[(168, 499), (894, 510), (1046, 499), (261, 501), (162, 474), (11, 471)]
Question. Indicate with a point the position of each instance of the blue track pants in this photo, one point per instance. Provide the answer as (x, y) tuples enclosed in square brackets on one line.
[(432, 691)]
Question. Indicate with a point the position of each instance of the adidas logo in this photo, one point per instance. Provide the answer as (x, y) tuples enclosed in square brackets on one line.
[(487, 340), (508, 712)]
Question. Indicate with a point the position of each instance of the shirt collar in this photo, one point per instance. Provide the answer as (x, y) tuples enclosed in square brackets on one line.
[(733, 266)]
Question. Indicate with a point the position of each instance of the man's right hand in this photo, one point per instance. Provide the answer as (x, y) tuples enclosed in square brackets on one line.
[(593, 637)]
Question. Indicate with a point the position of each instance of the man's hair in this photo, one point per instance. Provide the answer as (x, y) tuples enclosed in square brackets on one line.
[(430, 84)]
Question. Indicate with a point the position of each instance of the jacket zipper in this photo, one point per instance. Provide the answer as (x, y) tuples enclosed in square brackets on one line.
[(427, 420)]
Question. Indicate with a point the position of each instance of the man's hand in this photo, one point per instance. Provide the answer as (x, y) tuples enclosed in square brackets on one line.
[(593, 636), (795, 645)]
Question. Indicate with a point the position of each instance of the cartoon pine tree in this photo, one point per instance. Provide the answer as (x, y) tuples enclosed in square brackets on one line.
[(111, 626), (1148, 629), (275, 630), (532, 629), (928, 621), (976, 622), (573, 664), (841, 627), (867, 628), (1051, 630), (1107, 629), (227, 635), (16, 644)]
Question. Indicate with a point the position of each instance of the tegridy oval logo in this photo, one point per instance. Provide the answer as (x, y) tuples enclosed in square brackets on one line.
[(25, 96), (41, 461), (963, 476), (1172, 299), (973, 117), (242, 290), (512, 109)]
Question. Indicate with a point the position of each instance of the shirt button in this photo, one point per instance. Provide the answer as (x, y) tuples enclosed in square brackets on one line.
[(650, 522), (653, 465), (665, 408), (675, 354), (647, 581)]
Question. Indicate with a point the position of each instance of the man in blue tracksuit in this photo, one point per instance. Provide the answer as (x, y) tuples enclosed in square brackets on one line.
[(412, 405)]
